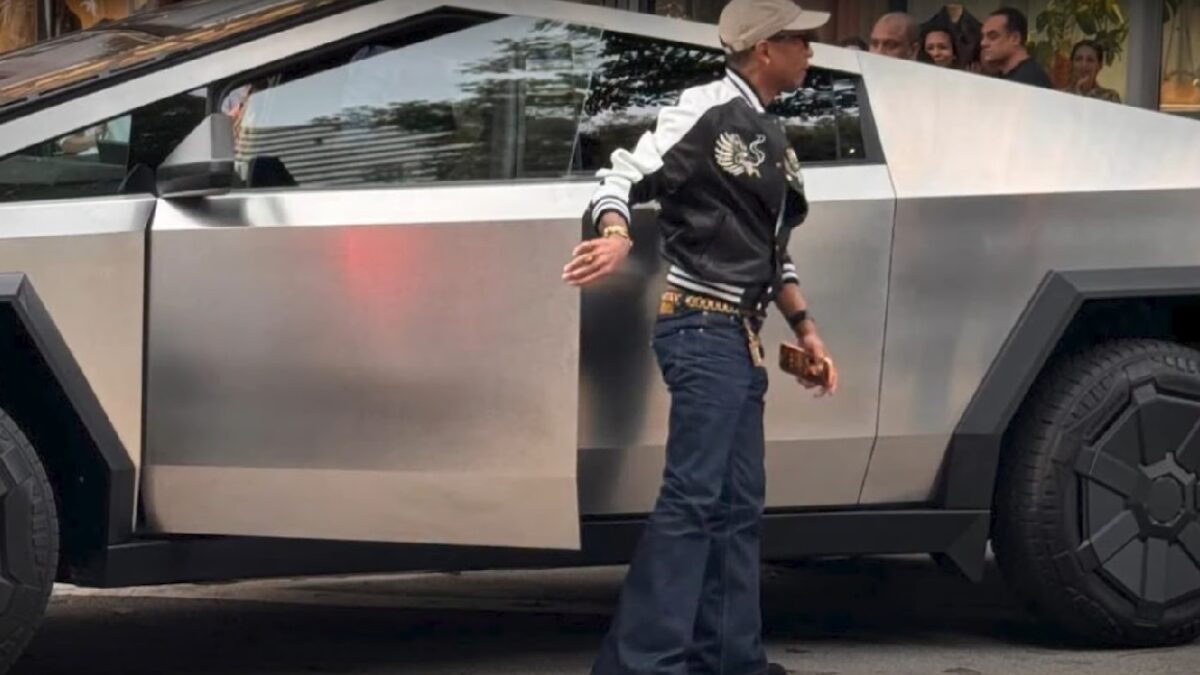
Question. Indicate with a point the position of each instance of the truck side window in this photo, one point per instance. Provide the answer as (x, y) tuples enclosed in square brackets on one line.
[(453, 99), (636, 76), (96, 161)]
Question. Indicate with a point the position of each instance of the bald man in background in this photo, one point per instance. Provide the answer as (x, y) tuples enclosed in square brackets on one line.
[(896, 34)]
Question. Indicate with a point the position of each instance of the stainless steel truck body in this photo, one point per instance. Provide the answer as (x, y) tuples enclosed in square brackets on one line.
[(281, 295)]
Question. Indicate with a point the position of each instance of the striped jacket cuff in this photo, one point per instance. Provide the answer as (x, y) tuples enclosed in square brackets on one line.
[(789, 274), (606, 204)]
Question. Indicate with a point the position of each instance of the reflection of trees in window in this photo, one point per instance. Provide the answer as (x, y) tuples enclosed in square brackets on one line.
[(527, 99), (822, 119), (512, 114), (635, 78)]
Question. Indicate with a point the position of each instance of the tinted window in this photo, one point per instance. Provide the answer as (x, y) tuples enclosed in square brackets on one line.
[(637, 76), (823, 119), (475, 101), (96, 160)]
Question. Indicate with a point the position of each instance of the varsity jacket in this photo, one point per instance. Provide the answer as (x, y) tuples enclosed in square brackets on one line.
[(729, 189)]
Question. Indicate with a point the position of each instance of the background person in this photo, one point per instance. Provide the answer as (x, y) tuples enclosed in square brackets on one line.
[(938, 47), (896, 34), (1003, 49), (1087, 59)]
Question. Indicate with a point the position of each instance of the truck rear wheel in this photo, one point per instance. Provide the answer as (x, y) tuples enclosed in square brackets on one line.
[(29, 527), (1097, 511)]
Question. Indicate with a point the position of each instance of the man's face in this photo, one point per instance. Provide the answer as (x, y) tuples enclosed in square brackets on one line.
[(890, 38), (998, 43), (789, 54)]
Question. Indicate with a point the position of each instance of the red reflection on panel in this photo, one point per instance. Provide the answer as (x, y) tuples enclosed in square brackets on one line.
[(464, 276), (379, 269)]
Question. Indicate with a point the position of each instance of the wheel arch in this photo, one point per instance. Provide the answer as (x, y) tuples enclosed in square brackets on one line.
[(46, 393), (1068, 308)]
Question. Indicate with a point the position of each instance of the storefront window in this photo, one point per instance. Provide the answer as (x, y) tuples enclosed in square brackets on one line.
[(71, 15), (1056, 27), (1181, 53), (23, 22), (18, 24), (88, 13)]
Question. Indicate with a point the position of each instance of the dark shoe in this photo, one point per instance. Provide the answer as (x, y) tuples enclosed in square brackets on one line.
[(776, 669)]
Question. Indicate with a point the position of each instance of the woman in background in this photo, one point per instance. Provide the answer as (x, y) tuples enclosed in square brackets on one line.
[(1087, 58), (938, 47)]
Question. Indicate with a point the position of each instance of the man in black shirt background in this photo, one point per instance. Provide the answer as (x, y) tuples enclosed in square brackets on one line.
[(1005, 34)]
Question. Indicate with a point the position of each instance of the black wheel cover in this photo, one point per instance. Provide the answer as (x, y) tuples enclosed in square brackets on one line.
[(1136, 468), (29, 550), (1097, 513)]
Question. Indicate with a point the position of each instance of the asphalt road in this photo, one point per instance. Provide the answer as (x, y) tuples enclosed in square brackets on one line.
[(852, 616)]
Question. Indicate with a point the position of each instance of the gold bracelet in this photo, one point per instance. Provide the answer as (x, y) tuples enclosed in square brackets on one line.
[(618, 230)]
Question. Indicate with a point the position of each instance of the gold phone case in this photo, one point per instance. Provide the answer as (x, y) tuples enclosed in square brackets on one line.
[(796, 361)]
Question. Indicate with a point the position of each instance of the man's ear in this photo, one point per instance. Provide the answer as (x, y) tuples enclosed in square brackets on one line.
[(763, 51)]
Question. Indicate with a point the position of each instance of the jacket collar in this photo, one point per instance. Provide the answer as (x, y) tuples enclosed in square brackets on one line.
[(743, 87)]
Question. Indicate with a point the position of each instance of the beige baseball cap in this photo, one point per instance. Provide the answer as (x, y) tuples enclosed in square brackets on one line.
[(744, 22)]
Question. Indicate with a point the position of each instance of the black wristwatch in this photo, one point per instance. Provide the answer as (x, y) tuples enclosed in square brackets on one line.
[(796, 318)]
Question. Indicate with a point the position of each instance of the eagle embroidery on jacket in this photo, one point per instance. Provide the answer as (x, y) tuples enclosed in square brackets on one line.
[(733, 156)]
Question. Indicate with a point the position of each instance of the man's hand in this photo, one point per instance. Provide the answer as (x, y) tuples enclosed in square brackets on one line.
[(597, 258), (807, 335), (790, 302)]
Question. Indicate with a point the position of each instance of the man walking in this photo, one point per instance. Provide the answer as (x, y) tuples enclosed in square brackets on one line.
[(730, 191)]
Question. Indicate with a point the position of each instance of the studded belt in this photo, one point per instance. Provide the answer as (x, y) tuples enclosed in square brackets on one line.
[(674, 300)]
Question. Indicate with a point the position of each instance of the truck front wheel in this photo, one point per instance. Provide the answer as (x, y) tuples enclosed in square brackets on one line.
[(1096, 519), (29, 531)]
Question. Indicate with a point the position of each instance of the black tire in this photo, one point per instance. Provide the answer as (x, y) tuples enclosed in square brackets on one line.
[(1096, 522), (29, 526)]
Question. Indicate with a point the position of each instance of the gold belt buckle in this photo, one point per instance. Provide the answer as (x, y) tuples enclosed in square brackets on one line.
[(755, 343), (666, 306), (668, 303)]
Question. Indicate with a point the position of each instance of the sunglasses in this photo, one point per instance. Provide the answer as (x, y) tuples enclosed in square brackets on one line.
[(805, 37)]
